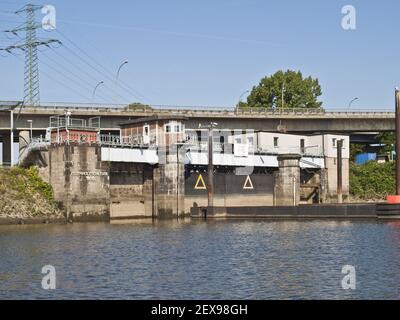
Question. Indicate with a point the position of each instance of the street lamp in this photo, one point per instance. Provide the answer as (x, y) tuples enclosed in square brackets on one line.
[(120, 67), (95, 88), (31, 129), (240, 98), (351, 102)]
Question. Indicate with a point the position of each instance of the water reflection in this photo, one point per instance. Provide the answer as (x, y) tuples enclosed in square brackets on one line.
[(196, 260)]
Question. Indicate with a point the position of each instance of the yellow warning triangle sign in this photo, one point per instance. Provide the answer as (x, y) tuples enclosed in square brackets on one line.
[(200, 185), (248, 185)]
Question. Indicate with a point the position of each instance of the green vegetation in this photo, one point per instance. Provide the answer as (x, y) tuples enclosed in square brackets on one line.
[(387, 139), (24, 194), (355, 149), (372, 180), (137, 106), (297, 92)]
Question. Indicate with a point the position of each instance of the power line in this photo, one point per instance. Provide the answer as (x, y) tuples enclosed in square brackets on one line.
[(30, 47), (107, 72), (87, 84), (99, 51), (72, 63), (91, 66), (61, 83)]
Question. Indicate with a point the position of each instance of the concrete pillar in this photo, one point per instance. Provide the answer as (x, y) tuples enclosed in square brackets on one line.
[(287, 180), (7, 145), (80, 182), (24, 140), (169, 179)]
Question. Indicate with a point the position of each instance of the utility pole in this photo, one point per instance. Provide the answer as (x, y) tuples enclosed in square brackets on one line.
[(29, 46), (210, 169), (210, 186), (339, 161), (397, 93)]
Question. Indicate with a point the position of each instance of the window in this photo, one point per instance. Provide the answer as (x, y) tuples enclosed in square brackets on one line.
[(334, 142), (276, 141), (178, 128), (167, 128), (146, 130)]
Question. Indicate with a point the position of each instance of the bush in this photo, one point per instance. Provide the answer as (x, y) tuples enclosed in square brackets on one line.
[(372, 180)]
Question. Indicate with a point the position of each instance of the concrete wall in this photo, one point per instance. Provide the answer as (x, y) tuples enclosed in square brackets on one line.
[(230, 190), (330, 146), (130, 191), (331, 179), (80, 181)]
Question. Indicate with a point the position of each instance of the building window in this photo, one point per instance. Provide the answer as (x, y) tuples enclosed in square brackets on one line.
[(167, 128), (178, 128), (334, 142), (276, 141)]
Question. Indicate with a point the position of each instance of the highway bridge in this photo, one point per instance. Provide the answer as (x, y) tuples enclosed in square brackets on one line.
[(15, 117)]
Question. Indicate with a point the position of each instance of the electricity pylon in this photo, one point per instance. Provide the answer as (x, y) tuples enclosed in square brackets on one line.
[(30, 47)]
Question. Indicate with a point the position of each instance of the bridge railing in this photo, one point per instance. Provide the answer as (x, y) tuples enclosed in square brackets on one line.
[(150, 109)]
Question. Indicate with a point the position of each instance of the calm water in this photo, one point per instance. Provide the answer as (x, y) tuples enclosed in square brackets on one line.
[(198, 260)]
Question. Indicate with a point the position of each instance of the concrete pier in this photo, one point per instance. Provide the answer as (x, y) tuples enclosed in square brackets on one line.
[(287, 180), (80, 181)]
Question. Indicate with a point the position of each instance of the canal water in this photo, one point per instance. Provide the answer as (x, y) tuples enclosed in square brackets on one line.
[(202, 260)]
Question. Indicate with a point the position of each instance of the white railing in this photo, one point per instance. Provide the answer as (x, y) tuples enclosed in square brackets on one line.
[(313, 151), (127, 141), (66, 121)]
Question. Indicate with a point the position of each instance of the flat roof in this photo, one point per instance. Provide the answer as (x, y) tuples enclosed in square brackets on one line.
[(153, 118)]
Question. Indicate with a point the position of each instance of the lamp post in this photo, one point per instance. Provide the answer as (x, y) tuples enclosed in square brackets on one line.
[(240, 99), (30, 129), (120, 67), (351, 102), (95, 88)]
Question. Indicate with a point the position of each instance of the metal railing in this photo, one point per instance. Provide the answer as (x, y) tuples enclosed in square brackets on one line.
[(199, 109), (312, 151), (127, 141), (66, 121)]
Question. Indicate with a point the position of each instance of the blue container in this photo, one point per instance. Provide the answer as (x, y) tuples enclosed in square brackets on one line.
[(365, 157)]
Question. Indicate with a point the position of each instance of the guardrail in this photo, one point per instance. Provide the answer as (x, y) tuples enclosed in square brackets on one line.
[(62, 106)]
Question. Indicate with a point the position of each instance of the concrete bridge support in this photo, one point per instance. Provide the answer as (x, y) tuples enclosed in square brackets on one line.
[(7, 145), (169, 179), (24, 140), (80, 181), (287, 180)]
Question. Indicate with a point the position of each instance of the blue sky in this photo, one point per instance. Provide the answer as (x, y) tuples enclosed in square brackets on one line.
[(208, 52)]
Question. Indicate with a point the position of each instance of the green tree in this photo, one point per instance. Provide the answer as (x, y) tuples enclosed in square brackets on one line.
[(355, 149), (388, 140), (297, 92), (137, 106)]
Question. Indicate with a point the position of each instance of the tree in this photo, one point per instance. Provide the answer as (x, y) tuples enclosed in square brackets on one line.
[(296, 91), (137, 106), (388, 140)]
